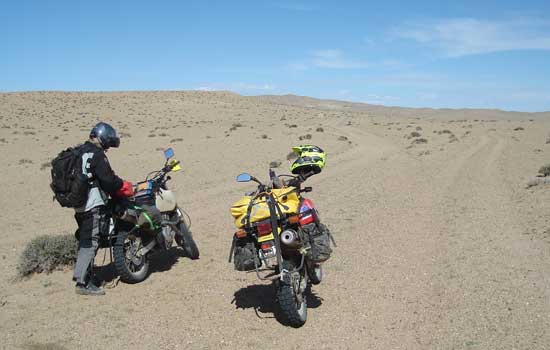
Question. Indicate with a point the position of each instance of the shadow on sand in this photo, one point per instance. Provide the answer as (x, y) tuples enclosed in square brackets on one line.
[(262, 298), (160, 262)]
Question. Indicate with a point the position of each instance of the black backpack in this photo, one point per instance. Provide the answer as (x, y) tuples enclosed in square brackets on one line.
[(69, 184)]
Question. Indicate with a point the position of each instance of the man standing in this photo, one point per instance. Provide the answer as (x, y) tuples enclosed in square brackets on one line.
[(93, 217)]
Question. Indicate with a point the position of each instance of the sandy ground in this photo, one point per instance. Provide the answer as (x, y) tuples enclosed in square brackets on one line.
[(440, 245)]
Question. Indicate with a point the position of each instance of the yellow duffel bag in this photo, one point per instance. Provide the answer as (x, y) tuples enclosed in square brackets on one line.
[(287, 198)]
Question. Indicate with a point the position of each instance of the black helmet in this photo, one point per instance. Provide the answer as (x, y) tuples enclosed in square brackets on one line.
[(106, 135)]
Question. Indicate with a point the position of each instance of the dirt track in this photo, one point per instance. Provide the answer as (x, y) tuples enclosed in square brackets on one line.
[(440, 246)]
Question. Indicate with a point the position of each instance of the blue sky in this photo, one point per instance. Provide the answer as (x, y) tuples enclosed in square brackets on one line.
[(477, 54)]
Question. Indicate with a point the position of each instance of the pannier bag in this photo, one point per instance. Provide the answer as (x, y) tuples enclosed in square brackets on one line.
[(244, 257), (318, 237)]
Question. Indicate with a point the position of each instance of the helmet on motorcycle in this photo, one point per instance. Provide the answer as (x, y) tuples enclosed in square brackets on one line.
[(310, 158), (106, 135)]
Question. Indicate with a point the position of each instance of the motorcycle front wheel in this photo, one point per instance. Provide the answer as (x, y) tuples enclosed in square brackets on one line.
[(185, 240), (291, 296), (131, 267)]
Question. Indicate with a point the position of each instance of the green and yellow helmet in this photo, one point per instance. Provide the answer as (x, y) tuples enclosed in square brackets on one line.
[(310, 158)]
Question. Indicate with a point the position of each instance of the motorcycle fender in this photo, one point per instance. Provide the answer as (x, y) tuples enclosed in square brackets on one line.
[(166, 201)]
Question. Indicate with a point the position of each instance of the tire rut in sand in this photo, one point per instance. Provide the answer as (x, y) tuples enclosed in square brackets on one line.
[(483, 259)]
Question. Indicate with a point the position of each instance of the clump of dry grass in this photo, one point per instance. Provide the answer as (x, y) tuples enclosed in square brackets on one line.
[(545, 170), (419, 141), (342, 138), (275, 164), (45, 165), (46, 253), (291, 156), (235, 126), (305, 137)]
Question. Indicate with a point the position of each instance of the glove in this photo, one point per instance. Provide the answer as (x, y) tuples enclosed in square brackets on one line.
[(126, 190)]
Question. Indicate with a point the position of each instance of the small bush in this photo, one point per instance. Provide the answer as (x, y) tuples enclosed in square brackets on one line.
[(446, 131), (46, 253), (291, 156), (264, 136), (235, 126), (305, 137), (417, 141), (45, 165), (275, 164), (415, 134), (320, 129), (519, 128), (179, 139), (545, 170), (342, 138)]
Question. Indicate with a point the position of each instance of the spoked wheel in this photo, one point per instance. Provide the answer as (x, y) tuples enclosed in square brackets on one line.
[(185, 240), (291, 294), (132, 267)]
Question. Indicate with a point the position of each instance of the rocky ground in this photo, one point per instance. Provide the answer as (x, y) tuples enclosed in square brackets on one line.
[(440, 243)]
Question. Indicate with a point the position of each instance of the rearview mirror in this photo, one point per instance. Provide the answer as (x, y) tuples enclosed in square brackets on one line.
[(244, 177), (168, 153)]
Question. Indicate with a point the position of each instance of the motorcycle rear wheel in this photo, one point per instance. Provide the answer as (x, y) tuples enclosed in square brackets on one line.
[(131, 268)]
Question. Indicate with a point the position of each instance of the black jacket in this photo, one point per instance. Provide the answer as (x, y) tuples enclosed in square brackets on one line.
[(102, 178)]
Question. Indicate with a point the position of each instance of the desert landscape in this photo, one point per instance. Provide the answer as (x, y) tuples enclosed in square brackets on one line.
[(441, 243)]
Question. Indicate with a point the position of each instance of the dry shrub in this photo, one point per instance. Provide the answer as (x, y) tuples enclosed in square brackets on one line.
[(275, 164), (415, 134), (46, 253), (545, 170), (342, 138), (291, 156), (417, 141)]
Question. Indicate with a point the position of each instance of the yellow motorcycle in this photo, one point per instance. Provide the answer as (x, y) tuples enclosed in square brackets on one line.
[(281, 237)]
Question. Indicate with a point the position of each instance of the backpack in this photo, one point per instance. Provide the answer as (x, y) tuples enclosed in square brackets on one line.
[(69, 185)]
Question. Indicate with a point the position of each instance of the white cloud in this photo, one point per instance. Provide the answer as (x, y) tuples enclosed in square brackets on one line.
[(246, 86), (204, 88), (381, 99), (238, 86), (335, 59), (468, 36)]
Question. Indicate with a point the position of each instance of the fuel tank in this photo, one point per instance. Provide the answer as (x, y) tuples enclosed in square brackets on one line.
[(166, 201)]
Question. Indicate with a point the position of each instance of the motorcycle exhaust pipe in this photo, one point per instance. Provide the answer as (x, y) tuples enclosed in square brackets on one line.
[(290, 238)]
